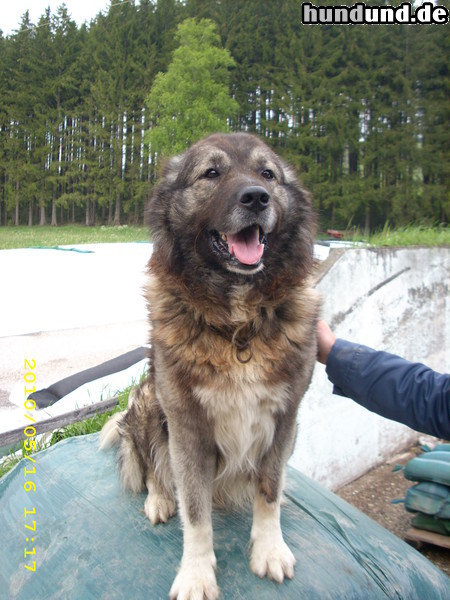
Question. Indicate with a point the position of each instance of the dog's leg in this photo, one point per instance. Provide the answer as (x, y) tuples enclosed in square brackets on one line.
[(270, 554), (144, 451), (159, 506), (193, 461), (196, 579)]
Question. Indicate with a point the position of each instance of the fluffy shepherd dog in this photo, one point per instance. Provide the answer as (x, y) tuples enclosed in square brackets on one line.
[(233, 334)]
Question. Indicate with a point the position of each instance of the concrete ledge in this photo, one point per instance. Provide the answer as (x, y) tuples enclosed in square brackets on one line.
[(390, 299)]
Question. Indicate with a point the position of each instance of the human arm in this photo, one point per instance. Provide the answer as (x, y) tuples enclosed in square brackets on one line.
[(388, 385)]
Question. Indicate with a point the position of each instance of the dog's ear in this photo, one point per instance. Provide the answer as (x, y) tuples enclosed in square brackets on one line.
[(291, 179), (171, 169), (158, 203), (290, 176), (158, 207)]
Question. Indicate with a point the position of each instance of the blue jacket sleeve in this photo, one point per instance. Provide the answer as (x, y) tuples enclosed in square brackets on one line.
[(392, 387)]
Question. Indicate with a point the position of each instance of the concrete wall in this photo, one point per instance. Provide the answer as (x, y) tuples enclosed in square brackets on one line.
[(390, 299)]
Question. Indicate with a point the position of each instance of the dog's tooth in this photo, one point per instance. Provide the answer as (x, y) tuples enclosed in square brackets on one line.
[(223, 236)]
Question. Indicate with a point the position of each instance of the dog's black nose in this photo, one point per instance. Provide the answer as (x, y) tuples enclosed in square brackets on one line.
[(255, 198)]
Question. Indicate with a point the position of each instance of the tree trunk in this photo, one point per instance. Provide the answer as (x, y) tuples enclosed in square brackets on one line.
[(54, 219), (88, 214), (30, 213), (16, 212), (117, 210), (367, 222), (42, 217)]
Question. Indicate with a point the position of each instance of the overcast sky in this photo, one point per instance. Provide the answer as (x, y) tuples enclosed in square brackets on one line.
[(11, 11)]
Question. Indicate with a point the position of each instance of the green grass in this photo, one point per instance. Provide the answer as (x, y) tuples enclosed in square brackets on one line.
[(26, 237), (91, 425), (402, 237), (414, 235), (13, 455)]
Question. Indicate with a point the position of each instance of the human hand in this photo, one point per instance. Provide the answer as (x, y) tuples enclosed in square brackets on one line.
[(325, 341)]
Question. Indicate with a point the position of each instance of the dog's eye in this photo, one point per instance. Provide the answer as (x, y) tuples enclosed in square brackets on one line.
[(211, 174), (268, 174)]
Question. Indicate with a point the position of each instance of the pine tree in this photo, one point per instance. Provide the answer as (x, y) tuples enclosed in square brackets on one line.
[(192, 98), (20, 99), (431, 53)]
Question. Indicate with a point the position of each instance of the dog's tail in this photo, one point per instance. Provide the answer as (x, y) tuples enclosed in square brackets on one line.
[(110, 433), (116, 432)]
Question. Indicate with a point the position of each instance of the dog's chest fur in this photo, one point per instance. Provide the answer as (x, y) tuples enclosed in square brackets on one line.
[(243, 417)]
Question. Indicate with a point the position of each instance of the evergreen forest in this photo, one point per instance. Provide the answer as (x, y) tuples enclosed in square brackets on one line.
[(361, 111)]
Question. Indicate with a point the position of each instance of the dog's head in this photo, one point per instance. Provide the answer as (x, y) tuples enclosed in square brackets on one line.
[(229, 204)]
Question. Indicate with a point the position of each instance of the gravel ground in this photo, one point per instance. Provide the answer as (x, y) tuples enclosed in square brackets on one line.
[(373, 493)]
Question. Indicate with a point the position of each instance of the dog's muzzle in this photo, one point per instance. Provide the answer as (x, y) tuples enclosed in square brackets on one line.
[(241, 244)]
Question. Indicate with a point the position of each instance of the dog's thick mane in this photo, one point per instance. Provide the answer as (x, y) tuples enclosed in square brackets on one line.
[(202, 334)]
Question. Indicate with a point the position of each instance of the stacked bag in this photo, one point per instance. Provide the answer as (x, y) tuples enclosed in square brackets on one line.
[(430, 498)]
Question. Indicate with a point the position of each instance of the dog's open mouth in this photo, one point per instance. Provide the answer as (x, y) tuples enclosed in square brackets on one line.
[(245, 247)]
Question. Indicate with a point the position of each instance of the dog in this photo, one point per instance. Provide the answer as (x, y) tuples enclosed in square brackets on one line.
[(233, 344)]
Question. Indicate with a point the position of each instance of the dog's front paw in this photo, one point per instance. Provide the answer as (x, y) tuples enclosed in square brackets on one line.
[(159, 509), (196, 581), (272, 559)]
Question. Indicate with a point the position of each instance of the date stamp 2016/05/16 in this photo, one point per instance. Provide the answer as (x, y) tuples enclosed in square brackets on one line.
[(29, 446), (361, 14)]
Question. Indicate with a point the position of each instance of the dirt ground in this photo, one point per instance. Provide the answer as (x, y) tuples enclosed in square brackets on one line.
[(373, 493)]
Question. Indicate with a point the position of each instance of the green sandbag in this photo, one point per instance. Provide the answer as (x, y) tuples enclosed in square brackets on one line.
[(442, 448), (435, 454), (429, 498), (429, 523), (430, 466), (438, 448)]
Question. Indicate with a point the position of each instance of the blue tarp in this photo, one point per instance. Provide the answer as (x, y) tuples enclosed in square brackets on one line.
[(92, 541)]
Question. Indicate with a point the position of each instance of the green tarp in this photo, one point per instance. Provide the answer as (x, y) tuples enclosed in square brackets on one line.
[(92, 541)]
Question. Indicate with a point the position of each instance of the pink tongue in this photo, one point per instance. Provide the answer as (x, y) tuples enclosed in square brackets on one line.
[(246, 247)]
